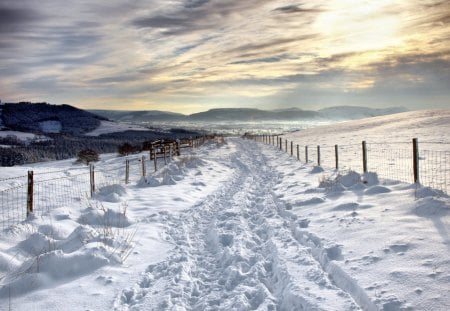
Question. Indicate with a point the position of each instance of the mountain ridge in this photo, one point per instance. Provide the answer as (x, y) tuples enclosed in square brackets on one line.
[(251, 114)]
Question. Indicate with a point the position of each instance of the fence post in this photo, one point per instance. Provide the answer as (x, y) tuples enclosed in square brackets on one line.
[(127, 171), (336, 156), (285, 143), (92, 179), (30, 194), (143, 166), (318, 155), (298, 152), (306, 154), (155, 160), (292, 148), (416, 159), (364, 154), (281, 144)]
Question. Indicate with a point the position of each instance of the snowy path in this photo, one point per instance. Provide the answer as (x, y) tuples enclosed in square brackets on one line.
[(239, 249)]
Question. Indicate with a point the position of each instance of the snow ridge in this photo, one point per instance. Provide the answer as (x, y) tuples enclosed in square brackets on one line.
[(237, 250)]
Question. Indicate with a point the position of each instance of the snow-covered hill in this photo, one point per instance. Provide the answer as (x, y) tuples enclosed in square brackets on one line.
[(428, 125), (233, 226), (355, 112)]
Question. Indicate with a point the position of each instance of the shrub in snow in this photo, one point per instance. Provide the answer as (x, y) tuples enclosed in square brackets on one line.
[(87, 156), (331, 184), (126, 149)]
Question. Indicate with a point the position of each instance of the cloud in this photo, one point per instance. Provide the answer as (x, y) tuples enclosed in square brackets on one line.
[(274, 59), (226, 52), (193, 4), (289, 9), (14, 20)]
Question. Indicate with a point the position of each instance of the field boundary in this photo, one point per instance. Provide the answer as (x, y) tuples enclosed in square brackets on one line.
[(405, 162)]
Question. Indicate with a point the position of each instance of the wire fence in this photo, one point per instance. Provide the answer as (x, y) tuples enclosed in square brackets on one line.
[(38, 193), (397, 161)]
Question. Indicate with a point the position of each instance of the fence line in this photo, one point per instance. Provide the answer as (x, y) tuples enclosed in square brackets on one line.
[(407, 163), (46, 191)]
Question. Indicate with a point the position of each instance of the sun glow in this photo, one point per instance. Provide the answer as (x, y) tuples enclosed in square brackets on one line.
[(353, 25)]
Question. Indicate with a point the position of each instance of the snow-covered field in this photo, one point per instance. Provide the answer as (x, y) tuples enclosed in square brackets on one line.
[(389, 145), (233, 226), (107, 127)]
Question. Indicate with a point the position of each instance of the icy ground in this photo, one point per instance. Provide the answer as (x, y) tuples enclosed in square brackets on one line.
[(235, 226)]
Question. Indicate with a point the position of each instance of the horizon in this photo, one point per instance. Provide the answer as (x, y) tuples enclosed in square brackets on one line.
[(228, 108), (189, 56)]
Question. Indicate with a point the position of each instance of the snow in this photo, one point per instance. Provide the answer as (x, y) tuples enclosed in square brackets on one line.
[(23, 136), (430, 126), (107, 127), (233, 226)]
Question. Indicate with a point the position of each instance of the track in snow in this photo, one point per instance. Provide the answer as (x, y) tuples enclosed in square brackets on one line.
[(240, 250)]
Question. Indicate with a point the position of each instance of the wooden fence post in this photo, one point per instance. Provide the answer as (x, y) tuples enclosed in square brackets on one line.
[(306, 154), (336, 156), (92, 179), (164, 151), (298, 152), (416, 159), (30, 194), (155, 160), (318, 155), (364, 154), (292, 148), (127, 171), (143, 166), (281, 144), (285, 143), (177, 145)]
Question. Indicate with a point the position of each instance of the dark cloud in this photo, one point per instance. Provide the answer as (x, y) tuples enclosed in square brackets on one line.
[(274, 59), (196, 15), (295, 9), (16, 19), (273, 44), (193, 4), (161, 22), (116, 79)]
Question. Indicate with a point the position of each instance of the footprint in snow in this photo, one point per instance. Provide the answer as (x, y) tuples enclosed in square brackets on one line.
[(399, 248)]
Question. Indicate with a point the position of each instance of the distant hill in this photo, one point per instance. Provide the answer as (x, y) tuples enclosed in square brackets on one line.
[(248, 114), (43, 118), (46, 118)]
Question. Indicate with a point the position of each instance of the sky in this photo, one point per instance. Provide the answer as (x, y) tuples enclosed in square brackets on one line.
[(193, 55)]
